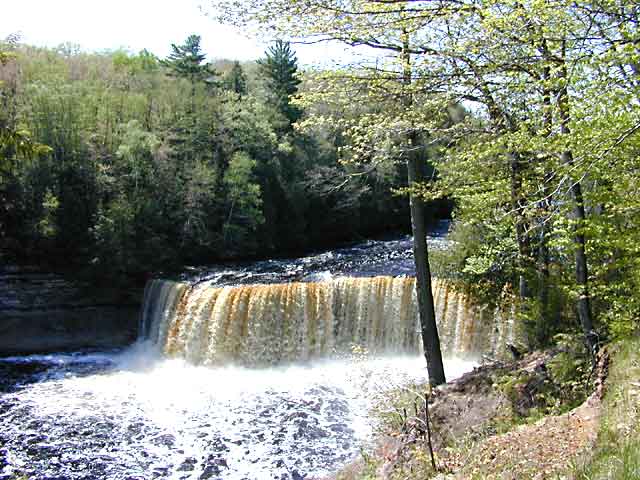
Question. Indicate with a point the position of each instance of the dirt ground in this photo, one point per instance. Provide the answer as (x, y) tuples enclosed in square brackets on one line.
[(466, 433)]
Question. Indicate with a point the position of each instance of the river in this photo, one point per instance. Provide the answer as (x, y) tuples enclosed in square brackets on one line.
[(185, 403)]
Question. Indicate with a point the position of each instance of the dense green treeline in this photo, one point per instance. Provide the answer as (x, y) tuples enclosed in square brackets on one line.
[(122, 164)]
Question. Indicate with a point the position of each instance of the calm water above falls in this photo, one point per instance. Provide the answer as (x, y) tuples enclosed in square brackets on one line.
[(374, 257), (135, 415)]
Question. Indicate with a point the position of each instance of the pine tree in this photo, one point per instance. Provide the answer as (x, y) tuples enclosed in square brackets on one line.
[(280, 68), (235, 80), (186, 61)]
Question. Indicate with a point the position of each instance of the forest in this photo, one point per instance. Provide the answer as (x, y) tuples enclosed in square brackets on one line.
[(519, 121), (118, 164)]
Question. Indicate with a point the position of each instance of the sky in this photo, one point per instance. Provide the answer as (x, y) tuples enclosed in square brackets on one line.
[(136, 24)]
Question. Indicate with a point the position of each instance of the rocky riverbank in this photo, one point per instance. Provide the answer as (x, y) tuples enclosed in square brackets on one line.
[(535, 417), (43, 311)]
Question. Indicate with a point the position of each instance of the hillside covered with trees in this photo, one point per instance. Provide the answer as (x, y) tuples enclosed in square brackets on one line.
[(118, 164)]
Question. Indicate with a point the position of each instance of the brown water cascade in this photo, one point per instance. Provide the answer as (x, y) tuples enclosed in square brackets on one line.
[(275, 323)]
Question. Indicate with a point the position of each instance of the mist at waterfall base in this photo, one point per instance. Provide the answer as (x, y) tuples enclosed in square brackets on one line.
[(183, 402), (134, 415)]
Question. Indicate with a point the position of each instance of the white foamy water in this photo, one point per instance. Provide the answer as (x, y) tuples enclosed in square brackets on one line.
[(135, 415)]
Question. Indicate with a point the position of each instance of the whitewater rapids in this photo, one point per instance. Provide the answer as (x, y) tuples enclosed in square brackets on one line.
[(137, 415)]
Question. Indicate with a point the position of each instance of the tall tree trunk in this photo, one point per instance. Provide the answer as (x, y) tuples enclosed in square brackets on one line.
[(579, 218), (426, 309), (424, 293), (582, 272), (522, 237), (547, 320)]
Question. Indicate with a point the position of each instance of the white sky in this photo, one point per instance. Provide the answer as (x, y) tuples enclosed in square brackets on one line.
[(136, 24)]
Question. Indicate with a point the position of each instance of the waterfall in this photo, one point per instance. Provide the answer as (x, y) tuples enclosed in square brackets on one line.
[(275, 323)]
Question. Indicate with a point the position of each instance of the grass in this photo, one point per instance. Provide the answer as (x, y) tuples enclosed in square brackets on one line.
[(617, 452)]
